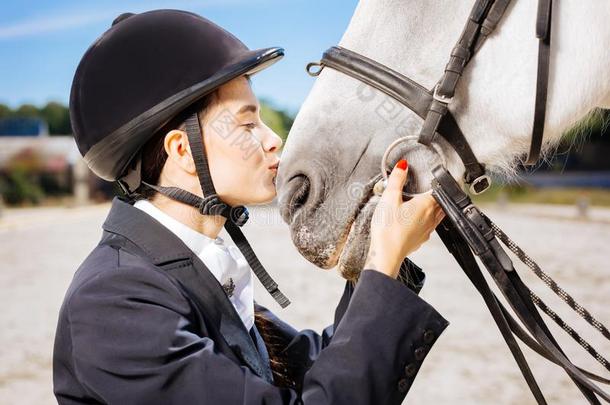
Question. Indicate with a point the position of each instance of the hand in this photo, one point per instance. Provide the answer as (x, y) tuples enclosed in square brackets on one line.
[(399, 228)]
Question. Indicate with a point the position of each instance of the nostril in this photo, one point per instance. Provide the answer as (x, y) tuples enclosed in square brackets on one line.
[(295, 196), (302, 192)]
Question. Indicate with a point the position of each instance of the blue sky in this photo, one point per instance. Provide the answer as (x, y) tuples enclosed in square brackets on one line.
[(41, 42)]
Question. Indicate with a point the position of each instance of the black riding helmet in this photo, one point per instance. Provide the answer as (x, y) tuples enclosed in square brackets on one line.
[(140, 74)]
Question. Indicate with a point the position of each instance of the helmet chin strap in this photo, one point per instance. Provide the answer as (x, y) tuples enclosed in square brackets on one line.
[(211, 204)]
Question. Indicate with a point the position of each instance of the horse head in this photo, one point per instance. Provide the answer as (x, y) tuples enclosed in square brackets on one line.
[(331, 160)]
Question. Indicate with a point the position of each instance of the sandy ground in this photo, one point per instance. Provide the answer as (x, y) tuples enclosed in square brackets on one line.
[(41, 248)]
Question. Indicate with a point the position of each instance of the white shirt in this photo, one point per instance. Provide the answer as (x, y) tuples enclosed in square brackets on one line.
[(225, 262)]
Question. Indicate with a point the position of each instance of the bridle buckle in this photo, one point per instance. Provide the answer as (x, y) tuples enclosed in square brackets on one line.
[(480, 185), (439, 98)]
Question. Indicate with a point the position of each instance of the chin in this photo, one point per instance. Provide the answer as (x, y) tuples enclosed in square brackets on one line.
[(269, 197), (263, 196)]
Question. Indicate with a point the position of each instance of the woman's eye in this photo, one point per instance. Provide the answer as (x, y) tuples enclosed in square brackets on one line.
[(250, 125)]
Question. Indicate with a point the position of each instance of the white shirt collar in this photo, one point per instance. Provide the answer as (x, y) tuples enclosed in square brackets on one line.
[(224, 262)]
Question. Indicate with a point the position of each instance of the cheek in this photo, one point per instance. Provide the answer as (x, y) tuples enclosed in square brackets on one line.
[(238, 166), (236, 150)]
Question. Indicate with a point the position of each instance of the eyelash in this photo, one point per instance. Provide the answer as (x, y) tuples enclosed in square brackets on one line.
[(250, 125)]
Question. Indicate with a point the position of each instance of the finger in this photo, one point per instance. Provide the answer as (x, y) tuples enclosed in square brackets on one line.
[(396, 181), (439, 218), (433, 202), (439, 211), (428, 201)]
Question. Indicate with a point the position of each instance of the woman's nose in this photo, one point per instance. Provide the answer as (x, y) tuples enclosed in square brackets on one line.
[(272, 141)]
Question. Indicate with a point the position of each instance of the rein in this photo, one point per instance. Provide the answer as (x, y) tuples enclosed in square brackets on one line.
[(466, 231)]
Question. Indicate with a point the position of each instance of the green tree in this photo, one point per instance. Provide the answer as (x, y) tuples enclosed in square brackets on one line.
[(279, 121), (58, 118), (27, 110), (273, 120), (5, 111), (287, 119)]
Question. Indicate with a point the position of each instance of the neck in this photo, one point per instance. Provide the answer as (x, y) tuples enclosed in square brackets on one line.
[(209, 225)]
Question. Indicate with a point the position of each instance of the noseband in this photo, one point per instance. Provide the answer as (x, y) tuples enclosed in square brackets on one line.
[(466, 231)]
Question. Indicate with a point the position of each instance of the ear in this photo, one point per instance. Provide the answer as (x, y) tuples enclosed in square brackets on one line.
[(178, 150)]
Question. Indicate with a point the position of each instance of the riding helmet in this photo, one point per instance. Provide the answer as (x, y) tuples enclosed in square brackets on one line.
[(142, 72)]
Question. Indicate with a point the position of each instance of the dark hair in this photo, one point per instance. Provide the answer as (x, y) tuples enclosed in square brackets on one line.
[(153, 160), (282, 366)]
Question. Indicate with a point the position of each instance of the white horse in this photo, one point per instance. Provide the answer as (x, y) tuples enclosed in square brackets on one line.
[(337, 141)]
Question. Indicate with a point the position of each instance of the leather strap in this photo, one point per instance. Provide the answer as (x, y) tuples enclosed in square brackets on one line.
[(474, 233), (464, 49), (496, 12), (244, 246), (402, 89), (483, 19), (543, 32), (210, 205), (504, 320), (449, 235)]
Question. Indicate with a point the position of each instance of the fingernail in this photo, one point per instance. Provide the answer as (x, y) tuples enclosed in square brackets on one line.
[(402, 164)]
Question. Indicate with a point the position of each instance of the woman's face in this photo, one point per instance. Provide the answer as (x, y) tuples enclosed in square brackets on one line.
[(241, 149)]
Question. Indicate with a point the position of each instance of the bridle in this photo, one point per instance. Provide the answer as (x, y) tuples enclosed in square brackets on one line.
[(466, 231), (432, 105)]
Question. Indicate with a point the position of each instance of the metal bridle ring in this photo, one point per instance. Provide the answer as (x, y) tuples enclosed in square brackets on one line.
[(435, 149), (314, 73)]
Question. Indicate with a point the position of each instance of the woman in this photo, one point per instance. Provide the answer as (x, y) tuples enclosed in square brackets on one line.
[(161, 311)]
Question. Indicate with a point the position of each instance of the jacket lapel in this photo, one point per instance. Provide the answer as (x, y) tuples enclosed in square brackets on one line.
[(168, 252)]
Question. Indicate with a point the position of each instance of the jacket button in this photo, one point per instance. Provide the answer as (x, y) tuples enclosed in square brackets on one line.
[(420, 353), (403, 385), (410, 370), (429, 336)]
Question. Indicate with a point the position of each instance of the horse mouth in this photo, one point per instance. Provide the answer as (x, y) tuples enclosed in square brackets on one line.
[(353, 246), (311, 236), (354, 249)]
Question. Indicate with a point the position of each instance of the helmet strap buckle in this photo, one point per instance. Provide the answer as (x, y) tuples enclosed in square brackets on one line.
[(132, 180)]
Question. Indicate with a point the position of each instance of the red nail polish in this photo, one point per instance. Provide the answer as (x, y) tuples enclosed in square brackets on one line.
[(402, 164)]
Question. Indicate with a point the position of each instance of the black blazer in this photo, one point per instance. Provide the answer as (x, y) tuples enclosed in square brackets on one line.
[(145, 322)]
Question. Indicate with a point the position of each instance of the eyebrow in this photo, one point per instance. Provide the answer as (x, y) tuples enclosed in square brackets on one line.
[(247, 108)]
